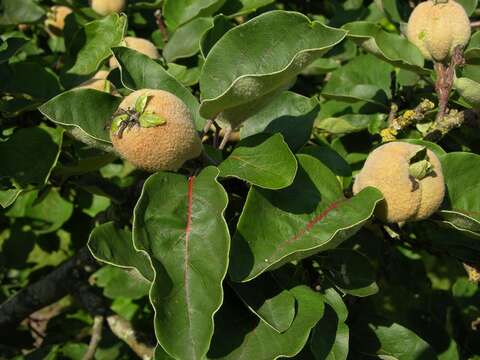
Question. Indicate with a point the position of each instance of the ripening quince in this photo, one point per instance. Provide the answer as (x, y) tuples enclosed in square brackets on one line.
[(437, 27), (154, 130), (138, 44), (410, 178), (98, 82), (106, 7), (55, 21)]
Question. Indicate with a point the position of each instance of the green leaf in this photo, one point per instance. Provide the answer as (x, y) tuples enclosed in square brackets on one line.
[(180, 224), (289, 114), (141, 103), (263, 160), (472, 51), (271, 58), (269, 301), (469, 90), (185, 41), (469, 5), (93, 42), (243, 7), (133, 285), (20, 12), (310, 216), (365, 78), (389, 47), (240, 335), (114, 246), (141, 72), (330, 336), (29, 78), (350, 271), (46, 212), (147, 120), (387, 339), (10, 44), (221, 24), (179, 12), (29, 155), (348, 123), (462, 210), (86, 109)]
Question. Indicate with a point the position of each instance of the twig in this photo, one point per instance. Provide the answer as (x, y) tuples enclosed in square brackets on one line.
[(475, 24), (408, 118), (453, 119), (96, 337), (161, 25), (122, 329), (445, 78)]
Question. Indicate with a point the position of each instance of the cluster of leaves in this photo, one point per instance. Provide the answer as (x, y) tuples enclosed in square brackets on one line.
[(265, 253)]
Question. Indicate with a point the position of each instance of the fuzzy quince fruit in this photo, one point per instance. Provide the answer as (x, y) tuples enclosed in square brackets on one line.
[(106, 7), (138, 44), (55, 21), (410, 178), (154, 130), (437, 27)]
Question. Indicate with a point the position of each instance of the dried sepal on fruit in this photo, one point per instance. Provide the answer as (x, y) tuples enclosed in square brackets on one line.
[(438, 27), (410, 178), (143, 46), (154, 130), (106, 7), (55, 20)]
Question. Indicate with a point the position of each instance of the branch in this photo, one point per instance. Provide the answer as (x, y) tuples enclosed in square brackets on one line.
[(44, 292)]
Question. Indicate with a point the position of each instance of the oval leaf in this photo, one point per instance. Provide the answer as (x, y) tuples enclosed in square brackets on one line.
[(86, 109), (180, 224), (463, 189), (309, 216), (270, 59), (114, 246), (265, 161)]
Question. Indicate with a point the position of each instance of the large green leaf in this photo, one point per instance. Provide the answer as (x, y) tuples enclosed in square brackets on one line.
[(290, 114), (393, 48), (330, 336), (263, 160), (268, 300), (240, 335), (350, 271), (178, 12), (91, 45), (185, 41), (462, 209), (243, 7), (221, 24), (259, 58), (365, 78), (141, 72), (389, 340), (348, 123), (29, 78), (29, 155), (85, 109), (309, 216), (15, 12), (114, 246), (180, 224)]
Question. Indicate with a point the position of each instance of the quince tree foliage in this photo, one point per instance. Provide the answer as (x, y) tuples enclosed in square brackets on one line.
[(239, 179)]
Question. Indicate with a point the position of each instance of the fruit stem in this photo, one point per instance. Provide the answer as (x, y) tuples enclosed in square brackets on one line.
[(445, 78)]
